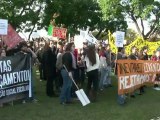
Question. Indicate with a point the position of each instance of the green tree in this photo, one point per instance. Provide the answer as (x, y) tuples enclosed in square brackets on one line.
[(143, 10), (73, 14), (113, 18), (22, 15), (130, 35)]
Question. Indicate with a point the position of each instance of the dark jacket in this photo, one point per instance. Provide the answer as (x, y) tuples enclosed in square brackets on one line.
[(49, 62), (67, 61)]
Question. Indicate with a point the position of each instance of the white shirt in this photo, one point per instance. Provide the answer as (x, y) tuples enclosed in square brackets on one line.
[(89, 65)]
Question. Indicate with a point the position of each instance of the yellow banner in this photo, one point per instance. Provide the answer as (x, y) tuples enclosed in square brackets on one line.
[(139, 43)]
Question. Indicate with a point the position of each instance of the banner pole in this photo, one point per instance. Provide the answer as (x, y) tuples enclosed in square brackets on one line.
[(115, 62), (2, 42), (30, 82), (69, 37)]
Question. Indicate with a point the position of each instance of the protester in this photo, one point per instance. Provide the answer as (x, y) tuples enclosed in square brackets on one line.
[(39, 54), (133, 56), (3, 53), (156, 57), (81, 67), (109, 59), (69, 64), (23, 47), (143, 56), (49, 61), (102, 68), (92, 64), (59, 66), (121, 56)]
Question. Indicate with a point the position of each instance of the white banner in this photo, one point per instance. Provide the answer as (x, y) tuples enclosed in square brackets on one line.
[(3, 26), (119, 38), (91, 39), (83, 33), (78, 41)]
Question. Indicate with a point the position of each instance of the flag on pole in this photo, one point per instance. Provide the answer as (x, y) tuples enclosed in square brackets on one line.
[(50, 30)]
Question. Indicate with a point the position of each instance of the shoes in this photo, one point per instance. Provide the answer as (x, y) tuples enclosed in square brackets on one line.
[(132, 96), (75, 99), (110, 85), (155, 85), (23, 101), (63, 103), (1, 105), (34, 100), (140, 93), (53, 95), (69, 102), (101, 89), (66, 103)]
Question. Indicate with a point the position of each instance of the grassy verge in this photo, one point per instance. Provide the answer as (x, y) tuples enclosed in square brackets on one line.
[(143, 107)]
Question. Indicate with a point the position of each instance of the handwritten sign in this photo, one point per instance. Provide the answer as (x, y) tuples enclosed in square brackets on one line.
[(119, 38), (3, 26)]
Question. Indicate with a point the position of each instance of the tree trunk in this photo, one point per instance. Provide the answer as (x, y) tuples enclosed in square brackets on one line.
[(137, 26), (31, 32), (98, 34)]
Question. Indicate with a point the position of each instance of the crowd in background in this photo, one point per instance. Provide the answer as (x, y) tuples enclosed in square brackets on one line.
[(90, 66)]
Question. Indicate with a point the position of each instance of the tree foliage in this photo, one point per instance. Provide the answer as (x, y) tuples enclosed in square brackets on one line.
[(73, 14), (113, 18), (22, 15), (101, 15), (143, 10), (130, 35)]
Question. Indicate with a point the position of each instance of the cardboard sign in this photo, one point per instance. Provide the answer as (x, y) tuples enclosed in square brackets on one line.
[(82, 97), (91, 39), (78, 41), (3, 26), (60, 32), (119, 38)]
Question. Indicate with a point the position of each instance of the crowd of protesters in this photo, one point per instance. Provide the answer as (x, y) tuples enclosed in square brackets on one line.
[(60, 61)]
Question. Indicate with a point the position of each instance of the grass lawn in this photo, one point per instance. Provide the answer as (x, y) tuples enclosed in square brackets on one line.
[(143, 107)]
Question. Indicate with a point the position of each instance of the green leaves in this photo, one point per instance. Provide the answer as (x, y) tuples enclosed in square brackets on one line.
[(73, 13), (20, 12)]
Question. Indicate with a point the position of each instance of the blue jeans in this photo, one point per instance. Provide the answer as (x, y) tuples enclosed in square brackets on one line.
[(103, 76), (65, 95), (107, 81)]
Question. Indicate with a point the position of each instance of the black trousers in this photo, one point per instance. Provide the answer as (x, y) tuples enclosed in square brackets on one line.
[(50, 86), (92, 80)]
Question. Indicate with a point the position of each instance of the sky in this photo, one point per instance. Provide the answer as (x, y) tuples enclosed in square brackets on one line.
[(131, 25), (39, 33), (43, 32)]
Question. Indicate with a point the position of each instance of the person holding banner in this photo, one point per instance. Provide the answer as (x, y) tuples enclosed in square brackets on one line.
[(120, 56), (133, 56), (92, 64), (23, 47), (156, 57), (143, 56)]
